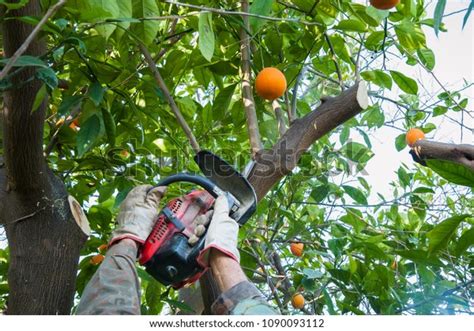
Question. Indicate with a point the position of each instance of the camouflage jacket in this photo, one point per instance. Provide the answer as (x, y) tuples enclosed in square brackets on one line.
[(115, 290)]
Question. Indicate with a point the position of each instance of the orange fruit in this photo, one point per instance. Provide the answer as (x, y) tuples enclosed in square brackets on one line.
[(297, 249), (102, 248), (76, 122), (124, 153), (384, 4), (413, 135), (297, 301), (270, 83), (97, 259), (73, 126)]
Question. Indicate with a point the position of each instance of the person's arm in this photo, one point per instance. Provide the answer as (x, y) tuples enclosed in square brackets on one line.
[(239, 296), (114, 288)]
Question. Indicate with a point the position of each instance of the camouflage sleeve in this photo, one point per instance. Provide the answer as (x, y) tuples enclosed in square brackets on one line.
[(114, 289), (242, 299)]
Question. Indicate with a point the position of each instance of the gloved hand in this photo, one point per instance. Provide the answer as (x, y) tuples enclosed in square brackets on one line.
[(137, 214), (221, 234)]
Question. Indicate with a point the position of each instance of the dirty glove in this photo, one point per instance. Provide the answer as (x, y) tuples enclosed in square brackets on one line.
[(138, 213), (221, 234)]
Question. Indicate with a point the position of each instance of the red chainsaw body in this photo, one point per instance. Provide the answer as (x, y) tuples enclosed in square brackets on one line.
[(168, 242)]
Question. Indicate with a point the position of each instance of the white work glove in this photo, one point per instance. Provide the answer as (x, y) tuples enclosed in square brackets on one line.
[(138, 212), (221, 234)]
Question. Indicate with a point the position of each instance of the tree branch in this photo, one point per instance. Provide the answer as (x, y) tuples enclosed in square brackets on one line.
[(247, 93), (22, 49), (462, 153), (174, 108), (273, 164), (279, 117)]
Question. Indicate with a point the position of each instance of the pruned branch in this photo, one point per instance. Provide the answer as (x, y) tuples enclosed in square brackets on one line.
[(174, 107), (247, 93), (22, 49), (273, 164), (462, 153)]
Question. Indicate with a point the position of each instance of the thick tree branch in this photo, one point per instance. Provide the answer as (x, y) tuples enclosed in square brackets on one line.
[(273, 164), (174, 108), (462, 154), (22, 49), (247, 93)]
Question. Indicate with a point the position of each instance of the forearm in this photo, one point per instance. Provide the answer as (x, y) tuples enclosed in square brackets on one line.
[(239, 296), (114, 288)]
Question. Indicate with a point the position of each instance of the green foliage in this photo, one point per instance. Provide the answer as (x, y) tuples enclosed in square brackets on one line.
[(365, 252)]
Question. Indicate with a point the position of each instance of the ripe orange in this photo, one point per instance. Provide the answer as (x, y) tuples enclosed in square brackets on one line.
[(73, 126), (413, 135), (384, 4), (270, 83), (76, 122), (297, 249), (102, 248), (124, 153), (97, 259), (297, 301)]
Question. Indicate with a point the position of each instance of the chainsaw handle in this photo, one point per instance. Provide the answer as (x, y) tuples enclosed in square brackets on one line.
[(194, 179)]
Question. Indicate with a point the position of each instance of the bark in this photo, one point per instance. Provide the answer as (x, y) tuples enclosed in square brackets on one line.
[(462, 154), (43, 238), (274, 164)]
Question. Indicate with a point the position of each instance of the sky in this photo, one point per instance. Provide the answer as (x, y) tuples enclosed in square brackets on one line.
[(454, 63)]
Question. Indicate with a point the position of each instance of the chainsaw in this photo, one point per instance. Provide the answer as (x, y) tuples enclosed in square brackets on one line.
[(166, 253)]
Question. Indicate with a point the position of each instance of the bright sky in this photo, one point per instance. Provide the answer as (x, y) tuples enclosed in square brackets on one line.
[(454, 63)]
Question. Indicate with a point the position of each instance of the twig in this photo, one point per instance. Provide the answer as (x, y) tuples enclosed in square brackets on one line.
[(247, 93), (383, 42), (51, 11), (241, 13), (334, 58), (54, 139), (295, 92), (174, 108), (279, 117)]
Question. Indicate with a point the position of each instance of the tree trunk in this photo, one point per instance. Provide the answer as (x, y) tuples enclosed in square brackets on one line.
[(44, 240)]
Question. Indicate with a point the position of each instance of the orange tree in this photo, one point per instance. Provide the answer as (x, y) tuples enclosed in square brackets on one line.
[(99, 96)]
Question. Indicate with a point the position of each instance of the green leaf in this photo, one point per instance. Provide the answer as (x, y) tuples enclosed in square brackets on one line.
[(355, 194), (406, 84), (420, 257), (453, 172), (206, 36), (148, 29), (222, 101), (15, 5), (468, 12), (26, 61), (441, 234), (410, 36), (320, 193), (68, 103), (88, 134), (438, 14), (96, 93), (312, 274), (40, 96), (426, 57), (153, 296), (351, 25), (400, 142), (97, 11), (48, 76), (378, 77), (262, 8), (465, 241), (357, 152)]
